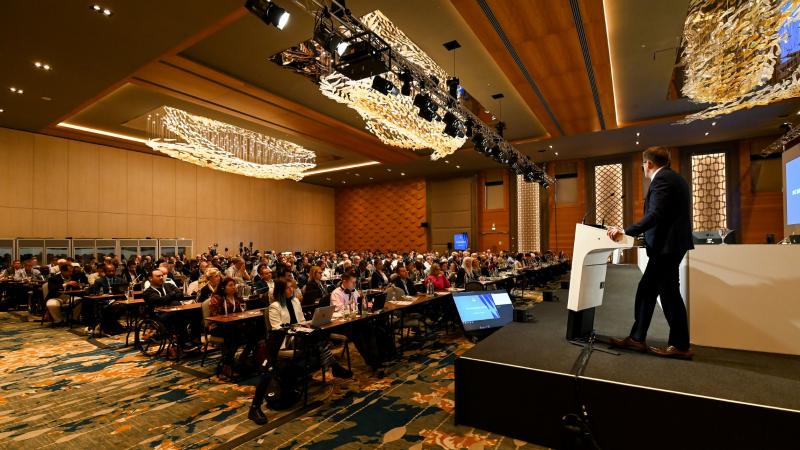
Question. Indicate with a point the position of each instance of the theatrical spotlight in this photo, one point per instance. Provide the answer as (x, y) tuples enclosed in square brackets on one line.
[(407, 79), (452, 87), (494, 151), (427, 107), (479, 141), (383, 85), (268, 12), (453, 126), (331, 41), (469, 126)]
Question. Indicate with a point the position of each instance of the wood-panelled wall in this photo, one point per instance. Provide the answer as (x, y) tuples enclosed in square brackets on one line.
[(386, 216), (568, 214), (451, 204), (53, 187), (762, 212), (500, 238)]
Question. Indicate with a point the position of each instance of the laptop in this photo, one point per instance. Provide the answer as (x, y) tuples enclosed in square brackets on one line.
[(322, 316), (378, 302)]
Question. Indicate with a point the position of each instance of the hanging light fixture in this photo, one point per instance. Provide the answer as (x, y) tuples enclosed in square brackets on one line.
[(221, 146)]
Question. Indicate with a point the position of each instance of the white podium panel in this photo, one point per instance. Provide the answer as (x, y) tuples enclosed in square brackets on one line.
[(745, 297), (589, 258)]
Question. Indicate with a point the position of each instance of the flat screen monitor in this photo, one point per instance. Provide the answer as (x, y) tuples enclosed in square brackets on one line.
[(484, 309), (793, 192), (460, 241)]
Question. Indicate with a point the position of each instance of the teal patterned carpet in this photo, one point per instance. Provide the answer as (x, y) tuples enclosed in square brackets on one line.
[(59, 390)]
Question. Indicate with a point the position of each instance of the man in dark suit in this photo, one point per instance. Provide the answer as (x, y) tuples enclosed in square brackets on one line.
[(160, 293), (403, 282), (667, 228)]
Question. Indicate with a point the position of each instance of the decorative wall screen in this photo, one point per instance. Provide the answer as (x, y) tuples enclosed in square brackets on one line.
[(709, 194), (528, 216), (608, 194)]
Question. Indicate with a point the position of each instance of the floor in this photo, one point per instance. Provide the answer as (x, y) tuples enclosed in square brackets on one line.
[(60, 390)]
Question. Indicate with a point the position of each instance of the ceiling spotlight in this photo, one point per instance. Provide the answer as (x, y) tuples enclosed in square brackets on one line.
[(100, 10), (452, 87), (551, 146), (458, 167), (268, 12), (556, 153), (328, 178), (470, 125), (344, 182), (383, 85), (453, 126), (714, 123), (96, 8), (402, 174), (358, 174), (16, 91), (106, 12), (637, 142), (637, 134), (41, 65), (479, 141), (330, 41), (706, 133), (446, 161), (37, 64), (371, 178), (407, 79), (2, 110), (388, 170), (427, 107)]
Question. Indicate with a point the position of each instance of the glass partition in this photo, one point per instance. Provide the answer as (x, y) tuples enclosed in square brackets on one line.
[(185, 247), (83, 251), (30, 248), (105, 247), (148, 247), (6, 252), (167, 247), (128, 248), (55, 249)]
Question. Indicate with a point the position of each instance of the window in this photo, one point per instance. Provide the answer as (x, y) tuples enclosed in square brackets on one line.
[(709, 195), (528, 216)]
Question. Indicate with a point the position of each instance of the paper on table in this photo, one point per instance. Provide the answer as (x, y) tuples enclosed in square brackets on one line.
[(402, 302)]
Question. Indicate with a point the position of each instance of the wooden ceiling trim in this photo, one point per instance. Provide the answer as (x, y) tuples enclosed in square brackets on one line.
[(250, 105), (594, 24), (472, 14)]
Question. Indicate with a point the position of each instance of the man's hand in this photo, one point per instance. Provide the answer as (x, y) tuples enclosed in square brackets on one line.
[(614, 233)]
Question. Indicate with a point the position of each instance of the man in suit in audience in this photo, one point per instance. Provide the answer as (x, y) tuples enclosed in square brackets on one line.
[(104, 311), (403, 282), (667, 228), (161, 293), (56, 284)]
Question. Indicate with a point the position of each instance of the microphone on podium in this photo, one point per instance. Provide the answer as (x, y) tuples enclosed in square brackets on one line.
[(583, 221)]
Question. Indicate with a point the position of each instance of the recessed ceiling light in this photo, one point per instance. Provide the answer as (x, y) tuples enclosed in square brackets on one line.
[(106, 12), (47, 99), (344, 182), (402, 174), (556, 153), (96, 7), (358, 174), (15, 90), (43, 66), (550, 146), (328, 178), (706, 133), (638, 134), (637, 142), (100, 10), (388, 170), (2, 110), (798, 113), (446, 161), (458, 167), (371, 178), (713, 123)]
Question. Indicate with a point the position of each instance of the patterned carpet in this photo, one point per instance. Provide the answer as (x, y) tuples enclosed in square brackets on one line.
[(60, 390)]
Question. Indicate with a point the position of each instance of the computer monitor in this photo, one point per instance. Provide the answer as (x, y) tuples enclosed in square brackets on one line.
[(460, 241), (484, 310)]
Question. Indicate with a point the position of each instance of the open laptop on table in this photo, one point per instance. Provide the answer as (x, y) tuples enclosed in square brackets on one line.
[(322, 316)]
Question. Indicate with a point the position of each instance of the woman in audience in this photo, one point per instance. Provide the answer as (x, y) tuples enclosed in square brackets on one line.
[(225, 301), (315, 289), (437, 277), (465, 272), (208, 284), (519, 264), (93, 272), (379, 277)]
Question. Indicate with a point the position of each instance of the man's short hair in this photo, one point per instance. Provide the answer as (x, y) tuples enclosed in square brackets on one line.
[(347, 276), (660, 156)]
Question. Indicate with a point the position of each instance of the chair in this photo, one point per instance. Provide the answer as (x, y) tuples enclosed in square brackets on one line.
[(208, 338), (473, 286)]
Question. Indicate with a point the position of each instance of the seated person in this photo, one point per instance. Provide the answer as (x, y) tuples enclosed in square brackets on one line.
[(167, 280), (315, 289), (379, 277), (226, 301), (238, 271), (93, 272), (27, 271), (56, 285), (160, 293), (263, 284), (208, 284), (403, 282), (437, 277), (131, 274), (11, 270), (104, 313)]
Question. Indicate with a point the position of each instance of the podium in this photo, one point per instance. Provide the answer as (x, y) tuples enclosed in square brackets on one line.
[(588, 277)]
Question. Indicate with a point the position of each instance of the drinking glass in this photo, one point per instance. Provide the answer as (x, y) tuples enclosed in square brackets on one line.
[(723, 233)]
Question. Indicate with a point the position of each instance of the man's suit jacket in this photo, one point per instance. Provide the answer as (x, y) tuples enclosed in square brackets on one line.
[(168, 294), (103, 285), (314, 291), (55, 286), (667, 222), (408, 287)]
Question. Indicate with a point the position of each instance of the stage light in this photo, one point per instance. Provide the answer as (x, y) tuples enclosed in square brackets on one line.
[(452, 87), (427, 107), (331, 41), (479, 142), (383, 85), (407, 79), (268, 12), (453, 126), (469, 126)]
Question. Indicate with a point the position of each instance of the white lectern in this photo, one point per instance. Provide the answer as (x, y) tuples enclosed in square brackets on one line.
[(588, 276)]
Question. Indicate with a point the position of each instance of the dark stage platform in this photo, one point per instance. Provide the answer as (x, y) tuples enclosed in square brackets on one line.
[(521, 381)]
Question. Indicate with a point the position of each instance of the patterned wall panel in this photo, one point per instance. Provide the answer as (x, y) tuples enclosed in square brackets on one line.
[(384, 216), (608, 194), (528, 216), (709, 202)]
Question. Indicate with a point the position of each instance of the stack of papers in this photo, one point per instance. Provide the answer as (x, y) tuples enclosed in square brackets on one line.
[(402, 302)]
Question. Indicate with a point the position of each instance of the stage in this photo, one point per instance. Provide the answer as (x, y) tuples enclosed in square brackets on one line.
[(521, 381)]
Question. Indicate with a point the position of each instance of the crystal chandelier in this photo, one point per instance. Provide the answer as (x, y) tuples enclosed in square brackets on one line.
[(393, 118), (732, 54), (221, 146)]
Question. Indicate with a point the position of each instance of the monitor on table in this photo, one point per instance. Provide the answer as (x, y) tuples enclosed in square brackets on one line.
[(483, 310)]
